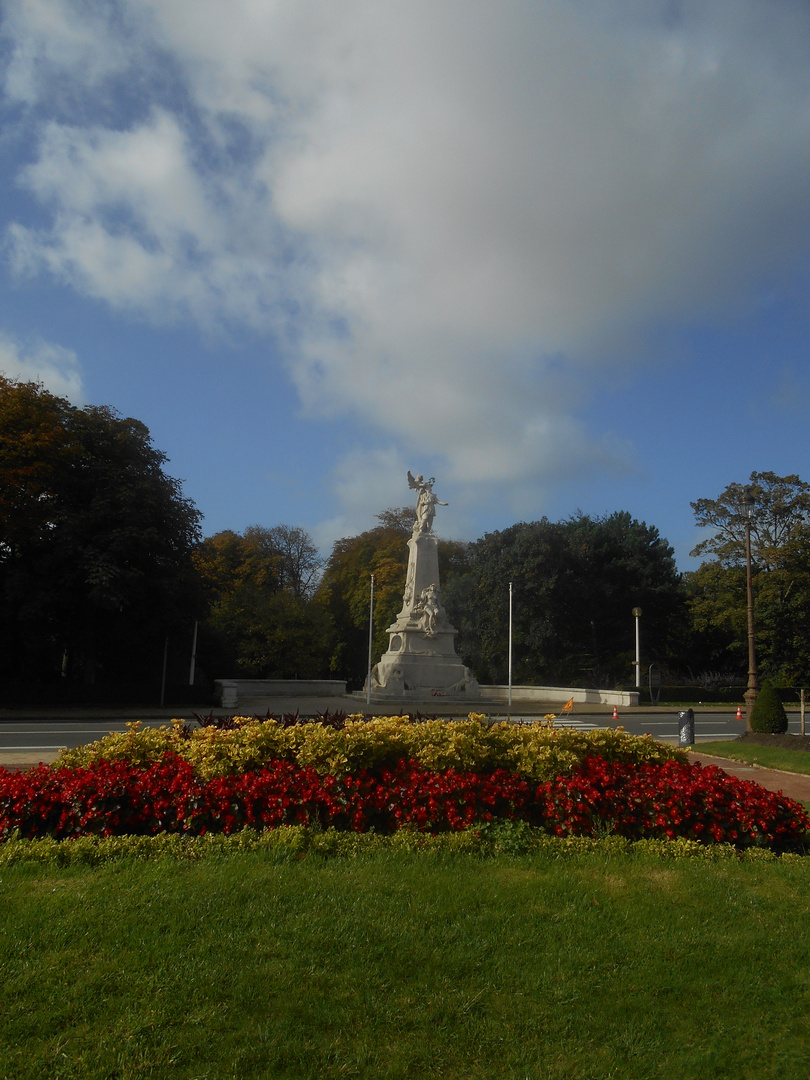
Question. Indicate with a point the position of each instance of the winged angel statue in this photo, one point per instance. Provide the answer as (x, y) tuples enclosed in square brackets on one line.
[(426, 502)]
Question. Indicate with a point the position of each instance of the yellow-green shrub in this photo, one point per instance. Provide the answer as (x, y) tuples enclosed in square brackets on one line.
[(291, 841), (537, 751)]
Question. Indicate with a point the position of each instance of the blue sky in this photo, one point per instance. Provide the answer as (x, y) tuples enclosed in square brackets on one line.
[(555, 254)]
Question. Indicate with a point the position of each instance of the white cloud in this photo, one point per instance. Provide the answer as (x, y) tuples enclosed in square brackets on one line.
[(56, 367), (458, 217), (52, 37)]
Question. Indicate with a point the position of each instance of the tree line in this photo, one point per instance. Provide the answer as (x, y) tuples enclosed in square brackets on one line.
[(104, 572)]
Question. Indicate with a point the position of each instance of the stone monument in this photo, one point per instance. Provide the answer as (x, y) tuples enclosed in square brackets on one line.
[(421, 660)]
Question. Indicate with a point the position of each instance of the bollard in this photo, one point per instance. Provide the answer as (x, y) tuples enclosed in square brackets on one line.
[(686, 725)]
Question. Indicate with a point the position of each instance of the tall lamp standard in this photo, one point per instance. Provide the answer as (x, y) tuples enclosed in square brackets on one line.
[(637, 616), (748, 504)]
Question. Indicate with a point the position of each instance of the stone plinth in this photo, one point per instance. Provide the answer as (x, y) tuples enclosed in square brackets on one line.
[(421, 660)]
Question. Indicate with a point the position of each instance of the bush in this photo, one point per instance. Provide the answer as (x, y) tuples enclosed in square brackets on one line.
[(768, 713), (536, 752)]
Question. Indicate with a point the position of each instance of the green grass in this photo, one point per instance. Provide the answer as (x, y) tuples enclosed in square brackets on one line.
[(772, 757), (396, 965)]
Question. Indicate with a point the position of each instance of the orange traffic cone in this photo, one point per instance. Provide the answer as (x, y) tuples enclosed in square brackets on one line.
[(615, 713), (739, 712)]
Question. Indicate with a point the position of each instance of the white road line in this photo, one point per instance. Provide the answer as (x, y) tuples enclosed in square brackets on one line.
[(11, 749), (103, 730)]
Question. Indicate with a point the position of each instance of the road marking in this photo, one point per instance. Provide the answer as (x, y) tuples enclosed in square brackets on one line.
[(11, 749), (47, 729)]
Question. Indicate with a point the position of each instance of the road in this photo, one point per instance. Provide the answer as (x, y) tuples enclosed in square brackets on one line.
[(48, 736)]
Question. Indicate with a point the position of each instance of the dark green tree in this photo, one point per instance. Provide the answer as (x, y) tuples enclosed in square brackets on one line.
[(574, 584), (768, 714), (95, 542)]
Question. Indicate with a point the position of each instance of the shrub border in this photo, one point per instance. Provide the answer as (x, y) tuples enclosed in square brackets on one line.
[(292, 842)]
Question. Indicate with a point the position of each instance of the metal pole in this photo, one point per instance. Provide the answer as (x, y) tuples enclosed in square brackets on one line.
[(801, 699), (510, 646), (163, 677), (637, 616), (753, 688), (193, 656), (370, 637)]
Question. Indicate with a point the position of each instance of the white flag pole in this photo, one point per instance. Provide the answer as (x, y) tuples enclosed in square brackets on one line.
[(510, 646), (370, 636)]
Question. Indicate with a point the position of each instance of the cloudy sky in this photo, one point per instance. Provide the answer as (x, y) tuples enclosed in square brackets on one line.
[(555, 253)]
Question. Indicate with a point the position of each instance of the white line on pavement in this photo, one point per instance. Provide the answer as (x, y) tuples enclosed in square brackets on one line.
[(11, 749)]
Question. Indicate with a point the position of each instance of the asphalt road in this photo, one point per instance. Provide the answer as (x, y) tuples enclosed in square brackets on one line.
[(47, 735)]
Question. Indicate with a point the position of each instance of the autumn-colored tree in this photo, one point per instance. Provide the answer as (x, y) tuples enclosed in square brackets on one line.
[(262, 622)]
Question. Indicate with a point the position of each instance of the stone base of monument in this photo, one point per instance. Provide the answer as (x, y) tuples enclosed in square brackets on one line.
[(416, 667)]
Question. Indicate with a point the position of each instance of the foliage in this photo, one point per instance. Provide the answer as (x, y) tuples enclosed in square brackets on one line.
[(536, 752), (262, 620), (666, 800), (780, 556), (782, 513), (95, 541), (299, 561), (575, 584), (768, 713), (294, 841)]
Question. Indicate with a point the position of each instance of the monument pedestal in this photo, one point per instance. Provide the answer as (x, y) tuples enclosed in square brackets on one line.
[(421, 660)]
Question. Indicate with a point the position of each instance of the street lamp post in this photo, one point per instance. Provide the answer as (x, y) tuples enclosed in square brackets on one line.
[(748, 505), (637, 616)]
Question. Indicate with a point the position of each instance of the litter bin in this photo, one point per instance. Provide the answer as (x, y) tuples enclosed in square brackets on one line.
[(686, 727)]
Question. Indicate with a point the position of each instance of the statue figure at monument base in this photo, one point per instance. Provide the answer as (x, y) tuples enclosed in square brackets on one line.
[(421, 660)]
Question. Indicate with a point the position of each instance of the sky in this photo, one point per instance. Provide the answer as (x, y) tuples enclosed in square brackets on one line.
[(555, 253)]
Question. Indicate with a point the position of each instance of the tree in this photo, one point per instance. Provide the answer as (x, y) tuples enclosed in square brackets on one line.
[(782, 517), (262, 621), (780, 554), (300, 562), (575, 584), (768, 714), (95, 541)]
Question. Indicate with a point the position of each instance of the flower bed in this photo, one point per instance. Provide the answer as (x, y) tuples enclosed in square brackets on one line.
[(599, 797)]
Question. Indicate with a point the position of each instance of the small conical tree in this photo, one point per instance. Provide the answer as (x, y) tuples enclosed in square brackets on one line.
[(768, 713)]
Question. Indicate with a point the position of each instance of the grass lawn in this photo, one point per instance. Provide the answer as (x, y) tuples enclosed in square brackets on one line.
[(772, 757), (395, 965)]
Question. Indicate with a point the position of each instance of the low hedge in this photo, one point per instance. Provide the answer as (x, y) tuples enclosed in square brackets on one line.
[(296, 842), (535, 752)]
